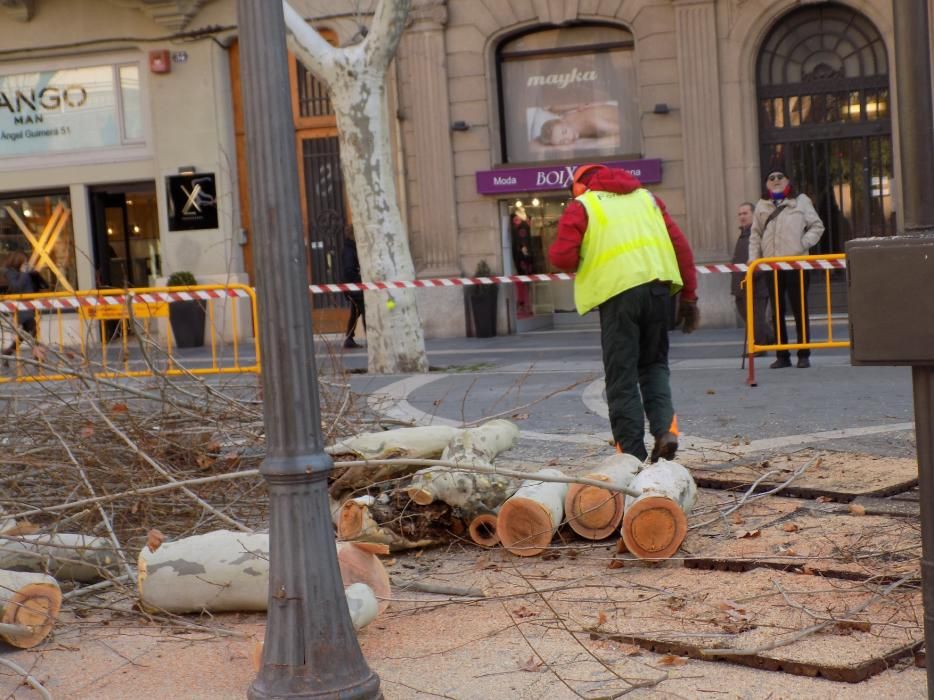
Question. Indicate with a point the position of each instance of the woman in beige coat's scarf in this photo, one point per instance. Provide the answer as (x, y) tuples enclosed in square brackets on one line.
[(785, 224)]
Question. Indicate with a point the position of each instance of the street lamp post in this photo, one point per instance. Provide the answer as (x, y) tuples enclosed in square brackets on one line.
[(892, 280), (311, 648)]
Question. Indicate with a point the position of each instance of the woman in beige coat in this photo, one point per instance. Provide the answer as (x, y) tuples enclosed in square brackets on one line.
[(785, 224)]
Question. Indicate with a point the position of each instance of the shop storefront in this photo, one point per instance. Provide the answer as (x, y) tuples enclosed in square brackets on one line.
[(531, 200)]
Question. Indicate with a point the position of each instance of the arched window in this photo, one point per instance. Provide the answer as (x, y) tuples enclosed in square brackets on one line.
[(568, 92), (823, 93)]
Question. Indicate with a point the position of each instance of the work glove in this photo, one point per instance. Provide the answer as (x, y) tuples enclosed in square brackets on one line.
[(688, 315)]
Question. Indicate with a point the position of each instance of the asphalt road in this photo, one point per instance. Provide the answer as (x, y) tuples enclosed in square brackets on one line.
[(551, 384)]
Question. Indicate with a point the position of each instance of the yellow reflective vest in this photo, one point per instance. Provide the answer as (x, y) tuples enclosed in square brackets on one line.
[(626, 244)]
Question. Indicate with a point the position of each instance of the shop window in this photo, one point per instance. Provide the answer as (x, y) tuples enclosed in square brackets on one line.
[(567, 93), (39, 225), (70, 109)]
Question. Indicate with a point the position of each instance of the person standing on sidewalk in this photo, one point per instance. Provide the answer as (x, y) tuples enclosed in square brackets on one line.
[(350, 264), (785, 224), (630, 257), (763, 329)]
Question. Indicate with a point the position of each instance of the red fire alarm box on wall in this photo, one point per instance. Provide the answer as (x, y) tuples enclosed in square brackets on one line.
[(159, 61)]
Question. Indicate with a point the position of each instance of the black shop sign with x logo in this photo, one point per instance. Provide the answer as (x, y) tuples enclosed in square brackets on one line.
[(192, 201)]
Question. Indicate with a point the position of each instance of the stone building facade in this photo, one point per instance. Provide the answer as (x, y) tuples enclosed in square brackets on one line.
[(492, 101)]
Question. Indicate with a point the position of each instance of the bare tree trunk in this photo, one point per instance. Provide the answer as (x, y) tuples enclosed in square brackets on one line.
[(356, 77)]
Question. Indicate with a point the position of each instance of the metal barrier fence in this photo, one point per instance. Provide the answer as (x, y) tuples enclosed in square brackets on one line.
[(128, 333), (803, 264)]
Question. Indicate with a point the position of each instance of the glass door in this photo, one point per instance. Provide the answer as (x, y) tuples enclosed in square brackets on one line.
[(127, 251)]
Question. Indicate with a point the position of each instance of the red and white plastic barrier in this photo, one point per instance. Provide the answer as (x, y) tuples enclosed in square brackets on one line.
[(74, 302)]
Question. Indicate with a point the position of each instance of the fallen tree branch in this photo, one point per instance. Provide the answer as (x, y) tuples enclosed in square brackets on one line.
[(158, 467), (807, 631), (27, 677)]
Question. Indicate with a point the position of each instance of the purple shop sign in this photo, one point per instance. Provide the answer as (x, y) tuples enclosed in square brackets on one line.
[(557, 177)]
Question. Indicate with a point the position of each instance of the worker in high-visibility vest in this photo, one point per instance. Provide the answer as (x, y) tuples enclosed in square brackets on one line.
[(630, 257)]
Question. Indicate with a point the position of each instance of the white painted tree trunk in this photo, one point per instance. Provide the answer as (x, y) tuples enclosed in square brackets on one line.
[(596, 513), (529, 519), (655, 523), (471, 493), (356, 79), (65, 556), (229, 571), (29, 599)]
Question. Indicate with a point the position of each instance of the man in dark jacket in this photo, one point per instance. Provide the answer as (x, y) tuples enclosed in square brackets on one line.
[(350, 264), (763, 329), (630, 257)]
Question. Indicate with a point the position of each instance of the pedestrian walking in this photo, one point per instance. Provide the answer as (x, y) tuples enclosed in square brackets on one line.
[(350, 264)]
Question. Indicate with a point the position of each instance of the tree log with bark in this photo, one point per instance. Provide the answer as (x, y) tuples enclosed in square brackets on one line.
[(356, 79), (65, 556), (596, 513), (229, 571), (31, 602), (655, 523), (423, 442), (529, 519)]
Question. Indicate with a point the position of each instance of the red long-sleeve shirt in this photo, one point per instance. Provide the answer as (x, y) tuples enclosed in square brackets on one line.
[(564, 253)]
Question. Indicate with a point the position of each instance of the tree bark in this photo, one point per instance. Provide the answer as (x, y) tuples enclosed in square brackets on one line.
[(655, 523), (229, 571), (424, 442), (596, 513), (529, 519), (31, 600), (65, 556), (356, 78), (471, 493)]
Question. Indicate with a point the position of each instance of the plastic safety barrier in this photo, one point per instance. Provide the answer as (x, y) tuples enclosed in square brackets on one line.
[(130, 333)]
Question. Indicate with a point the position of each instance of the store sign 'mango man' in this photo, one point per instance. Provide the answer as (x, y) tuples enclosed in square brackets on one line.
[(27, 106)]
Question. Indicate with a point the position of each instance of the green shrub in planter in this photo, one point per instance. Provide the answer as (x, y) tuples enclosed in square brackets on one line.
[(186, 317), (483, 298)]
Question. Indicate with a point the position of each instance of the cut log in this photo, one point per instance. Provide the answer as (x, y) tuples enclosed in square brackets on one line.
[(470, 492), (424, 442), (482, 530), (596, 513), (363, 520), (362, 604), (31, 601), (229, 571), (359, 564), (529, 519), (655, 523), (65, 556)]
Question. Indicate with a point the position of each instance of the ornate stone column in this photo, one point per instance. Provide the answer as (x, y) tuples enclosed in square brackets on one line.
[(433, 217), (704, 176)]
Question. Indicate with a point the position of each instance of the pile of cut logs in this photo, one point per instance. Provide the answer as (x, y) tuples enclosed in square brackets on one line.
[(405, 507), (383, 499)]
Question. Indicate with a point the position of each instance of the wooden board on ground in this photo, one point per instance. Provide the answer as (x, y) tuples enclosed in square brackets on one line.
[(710, 610), (851, 546), (839, 475)]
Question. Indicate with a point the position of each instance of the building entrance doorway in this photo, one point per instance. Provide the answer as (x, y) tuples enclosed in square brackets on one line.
[(824, 118), (127, 251)]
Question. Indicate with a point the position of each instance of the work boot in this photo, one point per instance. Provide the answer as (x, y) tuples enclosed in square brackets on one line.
[(803, 363), (666, 445), (781, 362)]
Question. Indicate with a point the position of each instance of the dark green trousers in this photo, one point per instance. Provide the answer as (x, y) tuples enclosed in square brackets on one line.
[(634, 336)]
